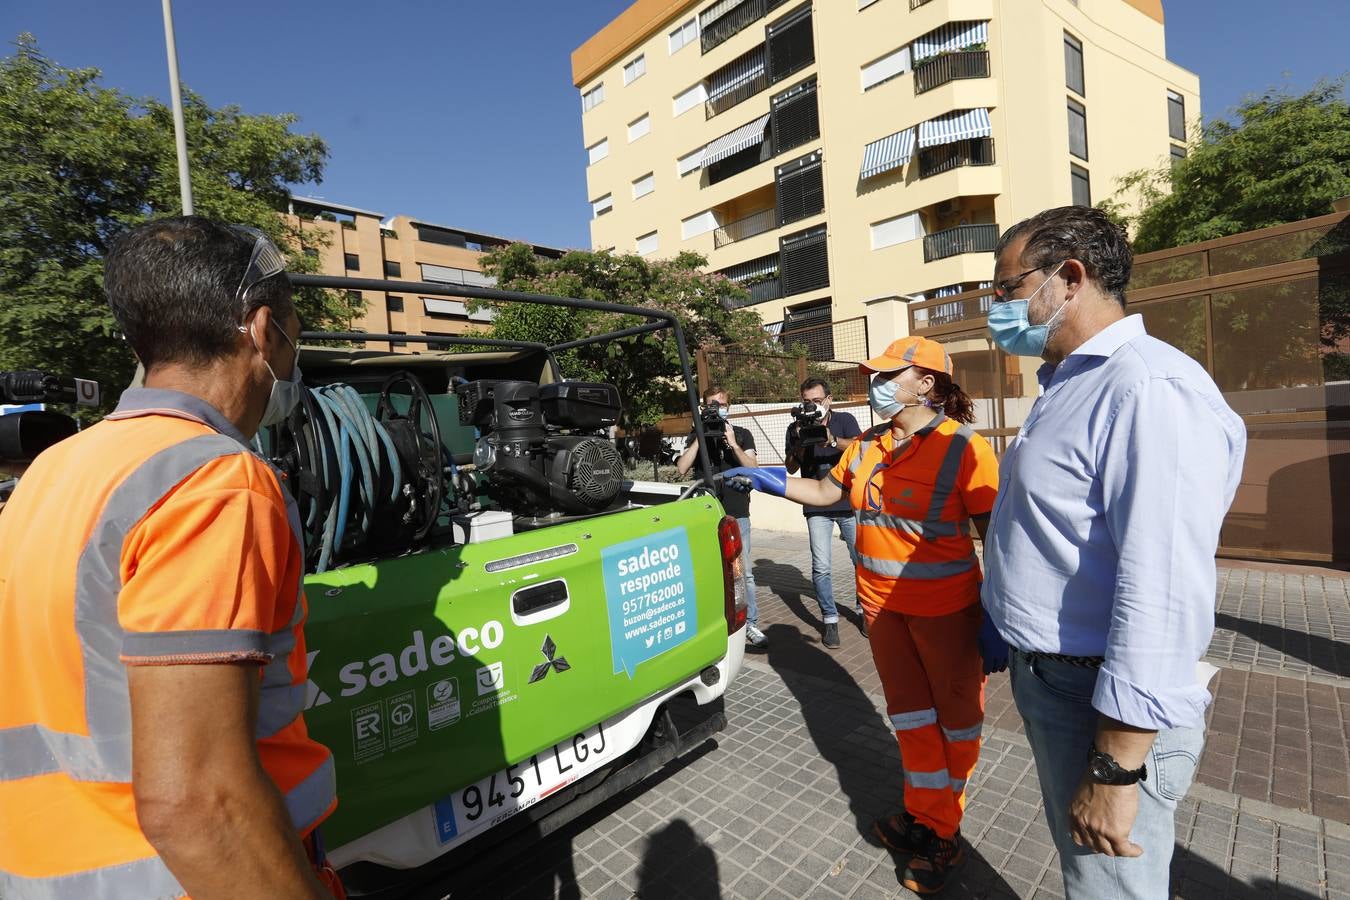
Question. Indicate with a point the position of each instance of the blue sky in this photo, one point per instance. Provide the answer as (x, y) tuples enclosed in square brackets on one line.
[(464, 113)]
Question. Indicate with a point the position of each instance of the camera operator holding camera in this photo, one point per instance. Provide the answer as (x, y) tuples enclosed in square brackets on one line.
[(816, 440), (729, 447)]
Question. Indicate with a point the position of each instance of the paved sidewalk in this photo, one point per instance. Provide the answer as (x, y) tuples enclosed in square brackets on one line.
[(779, 805)]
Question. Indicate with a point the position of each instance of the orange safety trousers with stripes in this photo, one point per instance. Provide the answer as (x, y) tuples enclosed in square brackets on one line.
[(934, 685)]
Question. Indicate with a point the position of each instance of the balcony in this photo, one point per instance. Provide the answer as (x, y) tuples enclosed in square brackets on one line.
[(961, 239), (751, 225), (764, 290), (939, 70), (734, 21), (734, 94), (944, 158)]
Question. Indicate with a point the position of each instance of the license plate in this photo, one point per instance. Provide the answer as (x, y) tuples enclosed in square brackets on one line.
[(505, 793)]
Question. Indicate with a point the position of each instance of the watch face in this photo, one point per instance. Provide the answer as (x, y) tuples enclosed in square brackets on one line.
[(1101, 771)]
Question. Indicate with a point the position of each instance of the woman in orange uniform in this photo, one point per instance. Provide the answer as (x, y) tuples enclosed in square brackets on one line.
[(917, 482)]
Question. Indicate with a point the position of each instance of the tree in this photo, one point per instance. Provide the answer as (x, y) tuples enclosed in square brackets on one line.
[(645, 368), (80, 162), (1285, 158)]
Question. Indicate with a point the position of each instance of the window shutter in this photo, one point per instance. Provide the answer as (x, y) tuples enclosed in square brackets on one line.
[(790, 44), (800, 188), (795, 117), (804, 261)]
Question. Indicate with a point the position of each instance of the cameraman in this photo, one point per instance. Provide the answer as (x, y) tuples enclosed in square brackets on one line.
[(815, 442), (729, 446)]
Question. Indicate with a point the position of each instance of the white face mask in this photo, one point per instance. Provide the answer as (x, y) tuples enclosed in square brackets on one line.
[(285, 395)]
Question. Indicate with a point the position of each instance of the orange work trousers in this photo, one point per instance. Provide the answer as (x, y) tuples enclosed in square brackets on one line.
[(934, 685)]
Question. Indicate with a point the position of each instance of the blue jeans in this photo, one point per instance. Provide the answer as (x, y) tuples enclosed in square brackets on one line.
[(1055, 702), (748, 566), (821, 529)]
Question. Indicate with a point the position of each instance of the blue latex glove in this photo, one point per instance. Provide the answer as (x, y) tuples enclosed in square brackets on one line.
[(769, 479), (993, 649)]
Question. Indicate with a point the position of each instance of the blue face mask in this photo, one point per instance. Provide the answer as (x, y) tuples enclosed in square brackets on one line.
[(881, 395), (1012, 330)]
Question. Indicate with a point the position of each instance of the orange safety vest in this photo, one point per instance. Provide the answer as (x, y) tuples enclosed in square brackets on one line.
[(155, 537), (914, 506)]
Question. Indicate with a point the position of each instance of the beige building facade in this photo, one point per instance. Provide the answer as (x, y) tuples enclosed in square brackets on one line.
[(841, 159), (359, 243)]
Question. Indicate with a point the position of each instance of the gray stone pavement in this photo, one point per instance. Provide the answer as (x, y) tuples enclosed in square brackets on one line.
[(779, 804)]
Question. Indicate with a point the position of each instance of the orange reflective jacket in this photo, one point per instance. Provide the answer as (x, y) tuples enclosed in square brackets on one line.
[(914, 506), (152, 538)]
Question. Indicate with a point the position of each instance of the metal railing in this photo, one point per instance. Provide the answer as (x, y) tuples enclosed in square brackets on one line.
[(939, 70), (961, 239), (738, 93), (732, 22), (751, 225), (944, 158), (763, 291), (915, 4)]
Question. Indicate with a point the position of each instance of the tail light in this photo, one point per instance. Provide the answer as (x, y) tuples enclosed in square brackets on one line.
[(733, 582)]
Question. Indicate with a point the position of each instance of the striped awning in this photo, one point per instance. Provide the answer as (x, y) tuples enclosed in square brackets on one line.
[(949, 38), (717, 11), (888, 153), (746, 136), (958, 126), (736, 73)]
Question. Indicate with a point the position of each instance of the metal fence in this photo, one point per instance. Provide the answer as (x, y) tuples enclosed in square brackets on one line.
[(1267, 313)]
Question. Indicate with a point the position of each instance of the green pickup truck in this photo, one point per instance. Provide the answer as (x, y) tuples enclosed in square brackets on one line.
[(499, 622)]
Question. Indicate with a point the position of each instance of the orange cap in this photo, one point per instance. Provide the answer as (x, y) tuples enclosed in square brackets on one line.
[(911, 351)]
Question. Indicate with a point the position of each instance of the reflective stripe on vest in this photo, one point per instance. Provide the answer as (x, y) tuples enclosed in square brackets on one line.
[(894, 568), (929, 529)]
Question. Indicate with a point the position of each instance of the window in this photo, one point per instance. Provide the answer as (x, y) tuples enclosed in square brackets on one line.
[(634, 70), (889, 232), (1078, 144), (351, 262), (1082, 186), (804, 261), (395, 303), (789, 44), (392, 269), (696, 225), (795, 117), (597, 152), (889, 66), (593, 98), (1073, 64), (647, 243), (690, 162), (1176, 116), (602, 205), (683, 36), (639, 128), (644, 186), (398, 343), (687, 100), (441, 236), (800, 189), (1178, 152)]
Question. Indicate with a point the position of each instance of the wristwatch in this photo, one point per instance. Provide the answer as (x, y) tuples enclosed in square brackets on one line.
[(1105, 770), (834, 442)]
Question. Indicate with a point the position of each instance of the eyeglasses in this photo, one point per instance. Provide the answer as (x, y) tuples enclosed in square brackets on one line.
[(1004, 288), (265, 261)]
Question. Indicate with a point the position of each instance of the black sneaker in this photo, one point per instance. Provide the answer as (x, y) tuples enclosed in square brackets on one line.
[(931, 866), (902, 833), (832, 635), (862, 623)]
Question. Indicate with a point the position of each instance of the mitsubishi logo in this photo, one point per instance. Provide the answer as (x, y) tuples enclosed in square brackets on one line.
[(551, 661)]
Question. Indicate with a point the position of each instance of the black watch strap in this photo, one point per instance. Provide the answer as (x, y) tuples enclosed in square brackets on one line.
[(1103, 769)]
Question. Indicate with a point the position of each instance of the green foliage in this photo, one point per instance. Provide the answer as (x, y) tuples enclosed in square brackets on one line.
[(80, 162), (646, 368), (1285, 158)]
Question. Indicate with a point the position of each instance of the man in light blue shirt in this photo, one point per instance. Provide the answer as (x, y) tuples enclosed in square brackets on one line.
[(1099, 560)]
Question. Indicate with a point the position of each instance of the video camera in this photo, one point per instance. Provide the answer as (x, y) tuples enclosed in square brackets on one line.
[(810, 419), (714, 426), (25, 434)]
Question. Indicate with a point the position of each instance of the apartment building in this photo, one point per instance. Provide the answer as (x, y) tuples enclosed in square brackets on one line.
[(841, 158), (365, 244)]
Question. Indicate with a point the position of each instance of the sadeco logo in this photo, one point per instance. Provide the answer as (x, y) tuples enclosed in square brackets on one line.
[(417, 656)]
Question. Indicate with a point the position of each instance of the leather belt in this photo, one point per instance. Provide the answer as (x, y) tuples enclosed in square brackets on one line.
[(1086, 662)]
